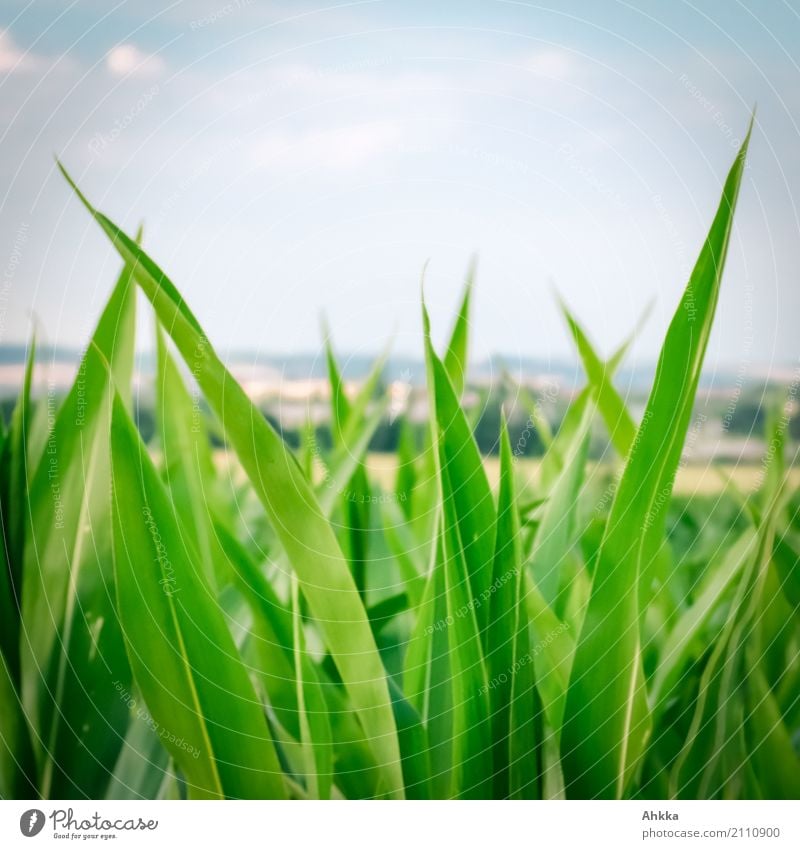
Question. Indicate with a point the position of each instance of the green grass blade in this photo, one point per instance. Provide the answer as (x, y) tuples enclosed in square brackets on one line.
[(472, 758), (405, 550), (315, 729), (467, 534), (786, 558), (556, 535), (702, 769), (619, 423), (186, 454), (347, 458), (269, 646), (19, 469), (606, 692), (17, 765), (198, 691), (511, 691), (427, 673), (553, 651), (525, 719), (618, 420), (406, 478), (356, 489), (304, 532), (503, 617), (457, 352), (14, 471), (769, 741), (74, 656), (563, 443), (143, 763), (472, 503), (686, 630), (413, 746)]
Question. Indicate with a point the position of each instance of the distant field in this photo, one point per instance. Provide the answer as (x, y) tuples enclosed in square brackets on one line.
[(695, 479)]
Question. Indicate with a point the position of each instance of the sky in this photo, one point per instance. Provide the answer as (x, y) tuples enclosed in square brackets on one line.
[(295, 159)]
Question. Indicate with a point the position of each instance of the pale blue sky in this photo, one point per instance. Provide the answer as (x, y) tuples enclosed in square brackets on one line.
[(290, 158)]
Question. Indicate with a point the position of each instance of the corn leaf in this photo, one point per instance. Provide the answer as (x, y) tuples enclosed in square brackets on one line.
[(456, 355), (722, 574), (619, 423), (14, 463), (186, 454), (305, 535), (315, 729), (472, 504), (427, 673), (74, 656), (775, 760), (17, 765), (605, 722), (199, 692), (557, 532), (513, 701)]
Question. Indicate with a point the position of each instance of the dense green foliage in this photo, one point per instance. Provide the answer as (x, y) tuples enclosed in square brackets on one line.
[(280, 625)]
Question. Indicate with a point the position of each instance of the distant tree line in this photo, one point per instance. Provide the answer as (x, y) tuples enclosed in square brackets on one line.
[(748, 418)]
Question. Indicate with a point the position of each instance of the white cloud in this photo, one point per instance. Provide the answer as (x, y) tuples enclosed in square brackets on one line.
[(12, 58), (551, 63), (340, 149), (126, 59)]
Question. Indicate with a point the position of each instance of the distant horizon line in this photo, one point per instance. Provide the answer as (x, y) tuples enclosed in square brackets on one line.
[(13, 353)]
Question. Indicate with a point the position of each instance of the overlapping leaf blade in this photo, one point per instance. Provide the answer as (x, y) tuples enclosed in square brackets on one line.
[(73, 657), (605, 723), (513, 702), (198, 691), (302, 528)]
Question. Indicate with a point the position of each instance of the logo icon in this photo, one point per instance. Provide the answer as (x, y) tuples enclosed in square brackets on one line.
[(31, 822)]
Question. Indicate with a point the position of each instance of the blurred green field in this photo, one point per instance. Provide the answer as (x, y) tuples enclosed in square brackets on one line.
[(692, 479)]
